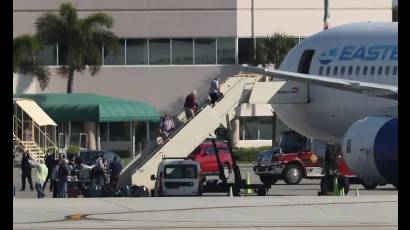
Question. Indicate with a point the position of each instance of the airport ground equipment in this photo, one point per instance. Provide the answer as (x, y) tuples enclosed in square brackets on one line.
[(190, 133), (178, 177), (240, 184)]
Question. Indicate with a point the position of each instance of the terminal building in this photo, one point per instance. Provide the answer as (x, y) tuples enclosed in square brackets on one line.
[(171, 47)]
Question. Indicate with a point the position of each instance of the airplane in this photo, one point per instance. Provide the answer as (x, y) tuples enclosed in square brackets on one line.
[(350, 73)]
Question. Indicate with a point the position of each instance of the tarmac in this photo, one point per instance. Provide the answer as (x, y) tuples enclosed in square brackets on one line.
[(274, 212), (285, 207)]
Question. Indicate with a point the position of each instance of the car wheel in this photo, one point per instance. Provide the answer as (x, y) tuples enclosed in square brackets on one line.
[(226, 170), (292, 174), (268, 180), (369, 186)]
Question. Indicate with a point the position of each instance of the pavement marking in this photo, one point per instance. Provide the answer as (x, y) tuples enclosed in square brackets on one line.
[(86, 216)]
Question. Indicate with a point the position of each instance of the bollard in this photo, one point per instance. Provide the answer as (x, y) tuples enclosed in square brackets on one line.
[(357, 192), (230, 191), (248, 182), (342, 192)]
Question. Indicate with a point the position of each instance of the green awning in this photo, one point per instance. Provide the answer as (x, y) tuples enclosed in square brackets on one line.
[(92, 107)]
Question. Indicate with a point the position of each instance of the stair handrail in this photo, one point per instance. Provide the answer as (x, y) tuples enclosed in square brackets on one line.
[(43, 134), (144, 158)]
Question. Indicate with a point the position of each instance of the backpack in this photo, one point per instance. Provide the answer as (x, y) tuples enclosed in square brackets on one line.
[(62, 173), (93, 191), (139, 191), (125, 191)]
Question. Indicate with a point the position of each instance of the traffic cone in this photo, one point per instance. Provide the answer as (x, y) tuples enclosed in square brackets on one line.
[(248, 182), (336, 190), (357, 192), (230, 192)]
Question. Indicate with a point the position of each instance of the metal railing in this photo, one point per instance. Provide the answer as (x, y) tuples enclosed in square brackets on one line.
[(183, 122), (36, 134)]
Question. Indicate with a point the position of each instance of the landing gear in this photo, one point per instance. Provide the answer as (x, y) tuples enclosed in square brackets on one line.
[(327, 184), (369, 186), (268, 180), (331, 171)]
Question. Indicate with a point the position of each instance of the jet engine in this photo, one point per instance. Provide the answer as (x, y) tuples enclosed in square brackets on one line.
[(369, 148)]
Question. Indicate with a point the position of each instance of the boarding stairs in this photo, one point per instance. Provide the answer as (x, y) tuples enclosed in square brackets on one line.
[(38, 142), (192, 132)]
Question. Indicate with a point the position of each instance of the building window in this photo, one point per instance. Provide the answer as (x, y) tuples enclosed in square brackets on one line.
[(159, 52), (245, 50), (350, 70), (119, 59), (205, 51), (372, 70), (343, 70), (365, 70), (328, 71), (335, 70), (357, 72), (137, 52), (226, 50), (119, 131), (104, 131), (395, 70), (380, 70), (387, 70), (48, 54), (256, 128), (182, 51), (321, 70), (265, 128)]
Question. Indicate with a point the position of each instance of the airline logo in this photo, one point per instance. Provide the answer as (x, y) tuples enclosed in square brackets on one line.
[(361, 53), (328, 56)]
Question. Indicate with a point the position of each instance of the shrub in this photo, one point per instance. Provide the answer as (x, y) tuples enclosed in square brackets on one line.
[(73, 149), (248, 154), (123, 153)]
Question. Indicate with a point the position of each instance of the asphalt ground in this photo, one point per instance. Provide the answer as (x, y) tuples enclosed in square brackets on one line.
[(256, 212), (307, 187)]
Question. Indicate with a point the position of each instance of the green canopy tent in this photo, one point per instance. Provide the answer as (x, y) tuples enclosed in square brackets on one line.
[(87, 107), (63, 107)]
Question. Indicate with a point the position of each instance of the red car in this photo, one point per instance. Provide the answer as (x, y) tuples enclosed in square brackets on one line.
[(205, 155)]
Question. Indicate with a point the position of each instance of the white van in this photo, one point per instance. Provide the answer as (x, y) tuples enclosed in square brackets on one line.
[(178, 178)]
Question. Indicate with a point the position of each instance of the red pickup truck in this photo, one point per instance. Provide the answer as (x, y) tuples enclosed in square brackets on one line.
[(205, 155)]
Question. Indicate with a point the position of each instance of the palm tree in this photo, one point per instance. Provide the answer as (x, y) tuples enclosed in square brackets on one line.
[(26, 49), (273, 49), (80, 41)]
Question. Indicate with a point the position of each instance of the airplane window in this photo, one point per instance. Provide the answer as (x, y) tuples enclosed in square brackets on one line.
[(342, 70), (328, 71), (372, 70), (395, 70), (365, 70), (380, 70), (335, 69), (321, 70), (387, 70), (350, 71), (357, 72)]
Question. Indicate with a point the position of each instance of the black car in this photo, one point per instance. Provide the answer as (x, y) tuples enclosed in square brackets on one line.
[(90, 156)]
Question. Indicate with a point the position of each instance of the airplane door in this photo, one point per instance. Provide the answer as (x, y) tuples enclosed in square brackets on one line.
[(295, 92)]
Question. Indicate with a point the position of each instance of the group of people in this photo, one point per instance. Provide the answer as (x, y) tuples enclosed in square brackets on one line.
[(190, 107), (61, 171)]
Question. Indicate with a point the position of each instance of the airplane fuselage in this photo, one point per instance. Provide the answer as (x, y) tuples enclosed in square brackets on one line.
[(365, 52)]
